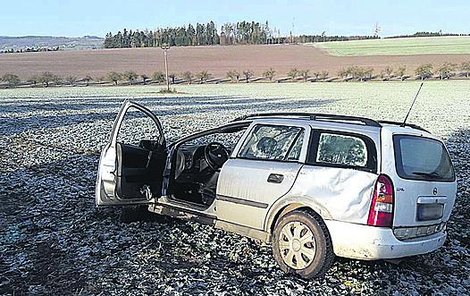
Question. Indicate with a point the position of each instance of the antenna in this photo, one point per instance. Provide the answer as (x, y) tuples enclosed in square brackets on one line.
[(412, 104)]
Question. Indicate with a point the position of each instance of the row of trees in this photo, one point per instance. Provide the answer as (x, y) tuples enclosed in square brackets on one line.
[(444, 71), (45, 79), (31, 49), (422, 72)]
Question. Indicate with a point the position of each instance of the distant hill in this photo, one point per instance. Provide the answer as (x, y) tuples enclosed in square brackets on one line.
[(64, 43)]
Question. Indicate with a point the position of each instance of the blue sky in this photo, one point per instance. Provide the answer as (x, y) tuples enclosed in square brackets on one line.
[(94, 17)]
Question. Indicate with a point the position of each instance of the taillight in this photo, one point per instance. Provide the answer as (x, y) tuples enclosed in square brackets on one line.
[(381, 210)]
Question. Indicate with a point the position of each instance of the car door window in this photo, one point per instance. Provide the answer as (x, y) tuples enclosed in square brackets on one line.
[(270, 142), (343, 150), (135, 127)]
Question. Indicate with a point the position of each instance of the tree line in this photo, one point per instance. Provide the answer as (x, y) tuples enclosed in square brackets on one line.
[(352, 73), (427, 34), (200, 34), (31, 49), (244, 32)]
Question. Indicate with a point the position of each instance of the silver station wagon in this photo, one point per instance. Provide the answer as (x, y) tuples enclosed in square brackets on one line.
[(312, 185)]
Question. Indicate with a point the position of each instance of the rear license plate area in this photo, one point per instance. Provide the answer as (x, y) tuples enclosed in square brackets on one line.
[(427, 212)]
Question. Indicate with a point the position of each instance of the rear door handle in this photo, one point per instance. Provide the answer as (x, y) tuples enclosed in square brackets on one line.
[(275, 178)]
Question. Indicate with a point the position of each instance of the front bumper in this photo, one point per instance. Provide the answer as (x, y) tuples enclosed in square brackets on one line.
[(371, 243)]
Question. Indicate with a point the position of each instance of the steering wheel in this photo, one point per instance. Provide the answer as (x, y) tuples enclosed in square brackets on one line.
[(215, 155)]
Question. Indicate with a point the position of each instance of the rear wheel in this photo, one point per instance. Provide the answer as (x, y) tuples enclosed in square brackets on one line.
[(302, 244)]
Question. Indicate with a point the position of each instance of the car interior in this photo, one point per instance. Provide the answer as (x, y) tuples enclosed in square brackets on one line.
[(197, 164)]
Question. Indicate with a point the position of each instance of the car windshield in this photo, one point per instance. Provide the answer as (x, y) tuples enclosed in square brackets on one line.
[(419, 158)]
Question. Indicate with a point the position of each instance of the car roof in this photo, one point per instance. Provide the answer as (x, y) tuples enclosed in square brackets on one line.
[(332, 121)]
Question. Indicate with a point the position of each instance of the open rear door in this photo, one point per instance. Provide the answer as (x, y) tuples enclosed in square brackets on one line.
[(131, 166)]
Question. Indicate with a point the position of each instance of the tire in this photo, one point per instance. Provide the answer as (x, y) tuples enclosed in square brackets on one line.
[(311, 255)]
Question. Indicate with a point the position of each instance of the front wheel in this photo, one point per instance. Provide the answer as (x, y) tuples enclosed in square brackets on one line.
[(302, 244)]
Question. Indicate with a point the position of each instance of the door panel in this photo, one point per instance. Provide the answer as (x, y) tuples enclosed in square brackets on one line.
[(247, 188), (124, 169), (138, 167)]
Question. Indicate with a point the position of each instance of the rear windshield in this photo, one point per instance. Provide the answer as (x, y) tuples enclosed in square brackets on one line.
[(419, 158)]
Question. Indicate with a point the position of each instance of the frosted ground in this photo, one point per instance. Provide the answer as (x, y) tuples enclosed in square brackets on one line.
[(53, 240)]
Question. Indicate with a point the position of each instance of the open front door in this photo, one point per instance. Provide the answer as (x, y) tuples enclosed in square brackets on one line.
[(131, 166)]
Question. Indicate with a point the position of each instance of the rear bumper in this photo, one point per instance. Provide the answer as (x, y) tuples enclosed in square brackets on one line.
[(372, 243)]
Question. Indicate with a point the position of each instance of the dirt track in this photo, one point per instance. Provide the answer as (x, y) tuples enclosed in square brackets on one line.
[(216, 59)]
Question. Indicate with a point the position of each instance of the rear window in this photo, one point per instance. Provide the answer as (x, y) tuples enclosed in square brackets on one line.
[(419, 158), (342, 150)]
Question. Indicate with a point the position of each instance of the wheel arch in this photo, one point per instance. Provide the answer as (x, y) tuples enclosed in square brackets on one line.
[(282, 208)]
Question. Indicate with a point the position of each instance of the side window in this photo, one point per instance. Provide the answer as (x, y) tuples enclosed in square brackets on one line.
[(137, 126), (342, 150), (270, 142)]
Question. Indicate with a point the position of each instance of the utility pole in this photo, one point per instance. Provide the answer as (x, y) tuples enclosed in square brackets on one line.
[(165, 48), (377, 30)]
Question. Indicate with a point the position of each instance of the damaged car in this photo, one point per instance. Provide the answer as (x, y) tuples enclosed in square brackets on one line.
[(314, 186)]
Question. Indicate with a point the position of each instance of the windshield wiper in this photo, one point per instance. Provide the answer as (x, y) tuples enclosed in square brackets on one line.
[(433, 175)]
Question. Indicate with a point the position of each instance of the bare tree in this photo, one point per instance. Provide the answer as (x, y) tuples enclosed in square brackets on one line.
[(158, 77), (47, 77), (71, 80), (12, 79), (131, 76), (233, 75), (387, 73), (446, 70), (305, 74), (248, 74), (188, 76), (465, 67), (343, 73), (114, 77), (293, 73), (269, 74), (324, 75), (424, 71), (203, 76), (400, 72), (316, 75)]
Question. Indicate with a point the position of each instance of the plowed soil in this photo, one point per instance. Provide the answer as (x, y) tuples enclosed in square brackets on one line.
[(215, 59)]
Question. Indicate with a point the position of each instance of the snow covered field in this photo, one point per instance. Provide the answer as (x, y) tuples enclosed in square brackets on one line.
[(54, 241)]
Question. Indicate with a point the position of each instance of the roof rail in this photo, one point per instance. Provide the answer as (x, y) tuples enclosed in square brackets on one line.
[(315, 116), (406, 124)]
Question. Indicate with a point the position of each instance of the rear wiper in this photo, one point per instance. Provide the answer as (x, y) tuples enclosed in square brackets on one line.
[(429, 175)]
